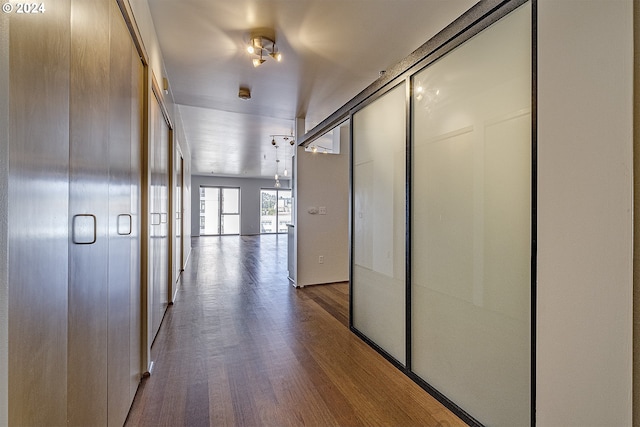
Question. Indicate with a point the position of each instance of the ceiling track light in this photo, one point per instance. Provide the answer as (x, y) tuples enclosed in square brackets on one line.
[(283, 139), (262, 47)]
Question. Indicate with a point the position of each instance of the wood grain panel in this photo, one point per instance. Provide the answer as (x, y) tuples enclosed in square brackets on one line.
[(240, 346), (74, 149), (89, 191), (177, 224), (38, 207), (159, 266), (120, 245), (135, 315), (4, 215)]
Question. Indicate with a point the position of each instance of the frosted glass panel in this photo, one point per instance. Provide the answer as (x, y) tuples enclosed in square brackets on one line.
[(378, 257), (471, 220)]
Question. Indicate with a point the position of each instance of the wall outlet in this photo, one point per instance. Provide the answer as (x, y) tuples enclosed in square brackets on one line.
[(321, 259), (322, 210)]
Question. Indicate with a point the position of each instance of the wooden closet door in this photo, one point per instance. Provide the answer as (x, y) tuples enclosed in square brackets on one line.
[(159, 213), (123, 270), (135, 308), (89, 211), (38, 159), (76, 88), (104, 303)]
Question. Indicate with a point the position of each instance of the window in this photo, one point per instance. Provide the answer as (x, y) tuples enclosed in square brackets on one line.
[(275, 210), (220, 211)]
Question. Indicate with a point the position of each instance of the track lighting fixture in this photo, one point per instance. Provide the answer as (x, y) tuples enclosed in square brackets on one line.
[(277, 140)]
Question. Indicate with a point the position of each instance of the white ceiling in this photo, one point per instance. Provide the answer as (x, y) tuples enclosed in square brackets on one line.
[(332, 50)]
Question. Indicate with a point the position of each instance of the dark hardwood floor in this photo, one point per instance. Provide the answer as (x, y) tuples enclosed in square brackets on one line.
[(241, 347)]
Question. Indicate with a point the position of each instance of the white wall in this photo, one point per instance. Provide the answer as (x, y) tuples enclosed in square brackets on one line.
[(584, 213), (249, 199), (323, 181)]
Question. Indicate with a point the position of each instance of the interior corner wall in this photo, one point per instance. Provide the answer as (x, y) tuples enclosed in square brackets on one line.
[(585, 185), (4, 208), (249, 199), (323, 181)]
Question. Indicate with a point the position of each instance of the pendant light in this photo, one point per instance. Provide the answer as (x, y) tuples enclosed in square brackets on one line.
[(277, 176)]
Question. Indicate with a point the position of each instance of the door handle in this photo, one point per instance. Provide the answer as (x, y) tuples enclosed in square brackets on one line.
[(155, 219), (84, 229), (124, 224)]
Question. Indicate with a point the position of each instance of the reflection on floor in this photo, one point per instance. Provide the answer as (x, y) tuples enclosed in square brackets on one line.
[(241, 347)]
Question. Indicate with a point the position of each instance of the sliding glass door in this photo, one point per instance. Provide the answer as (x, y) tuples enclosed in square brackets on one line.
[(275, 210), (379, 200), (459, 318), (471, 223), (219, 211)]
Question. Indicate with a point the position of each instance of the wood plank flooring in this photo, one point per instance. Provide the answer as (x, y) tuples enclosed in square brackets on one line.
[(241, 347)]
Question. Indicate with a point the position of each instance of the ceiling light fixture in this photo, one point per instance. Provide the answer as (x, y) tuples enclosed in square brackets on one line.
[(262, 47), (286, 172), (277, 176), (276, 141), (277, 183), (244, 93)]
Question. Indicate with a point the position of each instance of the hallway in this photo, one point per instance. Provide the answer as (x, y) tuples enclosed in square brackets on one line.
[(241, 347)]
